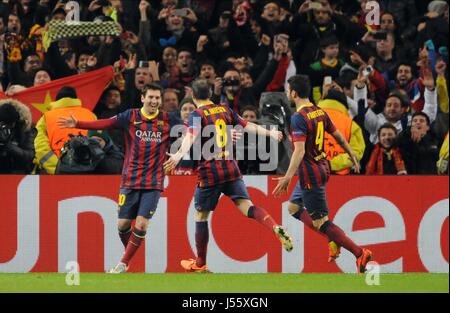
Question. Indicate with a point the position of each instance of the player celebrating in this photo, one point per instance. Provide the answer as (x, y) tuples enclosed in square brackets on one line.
[(218, 174), (147, 140), (308, 126)]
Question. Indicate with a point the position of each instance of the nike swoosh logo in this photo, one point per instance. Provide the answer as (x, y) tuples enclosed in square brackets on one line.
[(137, 123)]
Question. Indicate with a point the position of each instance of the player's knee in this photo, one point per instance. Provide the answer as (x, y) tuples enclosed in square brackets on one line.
[(123, 225), (293, 208), (141, 223), (201, 216), (319, 222)]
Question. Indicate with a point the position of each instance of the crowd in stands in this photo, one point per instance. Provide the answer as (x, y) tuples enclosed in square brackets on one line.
[(382, 76)]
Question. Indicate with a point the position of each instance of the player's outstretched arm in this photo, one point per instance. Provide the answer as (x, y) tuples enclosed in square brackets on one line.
[(296, 159), (344, 144), (257, 129), (72, 122), (175, 158)]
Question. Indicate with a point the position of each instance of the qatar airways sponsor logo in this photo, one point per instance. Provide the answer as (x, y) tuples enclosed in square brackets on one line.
[(426, 241), (149, 136)]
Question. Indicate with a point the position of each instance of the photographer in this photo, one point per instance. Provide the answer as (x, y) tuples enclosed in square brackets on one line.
[(16, 138)]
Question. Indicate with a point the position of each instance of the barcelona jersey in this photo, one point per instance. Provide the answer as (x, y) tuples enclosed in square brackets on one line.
[(308, 124), (212, 124), (147, 139)]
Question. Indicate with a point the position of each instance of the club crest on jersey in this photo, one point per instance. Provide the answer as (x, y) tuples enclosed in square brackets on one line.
[(149, 136)]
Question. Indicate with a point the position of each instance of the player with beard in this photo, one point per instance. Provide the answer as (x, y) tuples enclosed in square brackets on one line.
[(147, 140), (308, 126)]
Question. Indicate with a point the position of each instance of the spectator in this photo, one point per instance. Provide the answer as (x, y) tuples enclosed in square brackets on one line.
[(113, 160), (442, 164), (329, 65), (50, 138), (170, 100), (41, 76), (395, 109), (419, 146), (187, 106), (16, 138), (335, 105), (250, 114), (386, 157)]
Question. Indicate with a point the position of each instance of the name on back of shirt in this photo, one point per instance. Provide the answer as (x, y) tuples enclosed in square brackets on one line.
[(215, 110), (315, 114)]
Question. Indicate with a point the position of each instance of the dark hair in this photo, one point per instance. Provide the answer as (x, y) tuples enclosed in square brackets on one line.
[(66, 92), (8, 113), (386, 125), (201, 89), (250, 108), (328, 41), (410, 65), (151, 86), (207, 62), (345, 79), (301, 85), (404, 100), (42, 69), (422, 114)]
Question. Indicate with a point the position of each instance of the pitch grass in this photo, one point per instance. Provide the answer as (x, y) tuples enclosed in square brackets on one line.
[(223, 283)]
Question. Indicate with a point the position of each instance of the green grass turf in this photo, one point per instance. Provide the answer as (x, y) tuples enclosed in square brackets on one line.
[(193, 283)]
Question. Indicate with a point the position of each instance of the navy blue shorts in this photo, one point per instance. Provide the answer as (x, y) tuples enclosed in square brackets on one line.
[(206, 199), (137, 202), (314, 200)]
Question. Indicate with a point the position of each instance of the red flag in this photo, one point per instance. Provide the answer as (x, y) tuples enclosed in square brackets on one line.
[(89, 88)]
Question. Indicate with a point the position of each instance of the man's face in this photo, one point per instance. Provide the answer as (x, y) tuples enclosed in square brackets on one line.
[(249, 115), (186, 109), (232, 75), (208, 72), (185, 62), (404, 75), (142, 77), (169, 3), (322, 17), (386, 45), (113, 99), (170, 101), (32, 63), (59, 17), (152, 100), (393, 109), (387, 137), (271, 12), (14, 25), (169, 56), (41, 77), (387, 23), (331, 52), (246, 80), (256, 28), (419, 122), (174, 22), (289, 93), (82, 63)]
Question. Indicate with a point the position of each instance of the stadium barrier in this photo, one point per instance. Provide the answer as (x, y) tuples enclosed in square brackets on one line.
[(48, 221)]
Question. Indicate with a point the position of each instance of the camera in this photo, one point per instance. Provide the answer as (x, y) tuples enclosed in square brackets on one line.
[(231, 82), (367, 71), (5, 133), (379, 35)]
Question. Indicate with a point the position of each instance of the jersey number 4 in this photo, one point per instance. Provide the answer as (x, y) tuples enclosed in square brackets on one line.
[(319, 136)]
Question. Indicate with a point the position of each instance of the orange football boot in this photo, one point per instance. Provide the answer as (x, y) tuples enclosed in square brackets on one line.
[(190, 266)]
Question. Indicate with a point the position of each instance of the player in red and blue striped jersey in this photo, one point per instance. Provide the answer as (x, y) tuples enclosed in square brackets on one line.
[(218, 172), (308, 126), (147, 140)]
